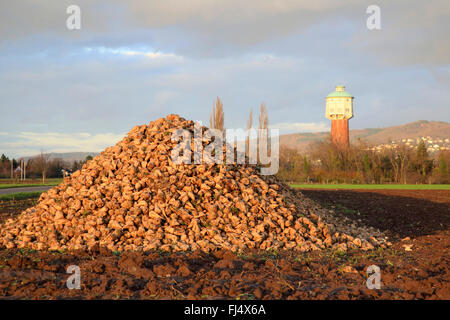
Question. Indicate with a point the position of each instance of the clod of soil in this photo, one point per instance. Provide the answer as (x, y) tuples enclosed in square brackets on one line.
[(133, 197)]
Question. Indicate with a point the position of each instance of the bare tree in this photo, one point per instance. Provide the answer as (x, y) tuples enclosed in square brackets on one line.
[(249, 126), (263, 132), (42, 163), (25, 169), (217, 117), (263, 117), (399, 159), (21, 169), (250, 120)]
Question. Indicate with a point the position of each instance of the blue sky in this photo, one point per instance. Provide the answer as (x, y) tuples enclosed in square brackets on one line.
[(133, 62)]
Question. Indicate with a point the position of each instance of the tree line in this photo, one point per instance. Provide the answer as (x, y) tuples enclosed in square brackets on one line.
[(40, 166), (326, 162)]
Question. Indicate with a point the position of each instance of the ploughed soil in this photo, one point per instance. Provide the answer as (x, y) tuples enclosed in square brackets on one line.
[(416, 266), (12, 208)]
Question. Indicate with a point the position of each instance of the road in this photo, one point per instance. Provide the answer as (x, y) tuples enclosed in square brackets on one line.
[(24, 189)]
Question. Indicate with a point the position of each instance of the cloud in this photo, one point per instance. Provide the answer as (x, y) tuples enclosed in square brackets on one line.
[(31, 143), (290, 127), (204, 17), (155, 55), (413, 31)]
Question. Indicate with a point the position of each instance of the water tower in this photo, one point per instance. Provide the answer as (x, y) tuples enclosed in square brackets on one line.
[(339, 109)]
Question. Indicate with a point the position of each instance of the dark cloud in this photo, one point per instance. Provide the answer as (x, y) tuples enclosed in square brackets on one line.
[(413, 31)]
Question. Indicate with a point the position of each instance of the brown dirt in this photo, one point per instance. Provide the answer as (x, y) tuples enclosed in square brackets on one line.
[(12, 208), (394, 211), (422, 273)]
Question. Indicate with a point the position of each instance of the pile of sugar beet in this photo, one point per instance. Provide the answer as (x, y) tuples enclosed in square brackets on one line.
[(133, 197)]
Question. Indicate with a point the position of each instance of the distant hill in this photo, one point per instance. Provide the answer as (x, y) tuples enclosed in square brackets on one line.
[(412, 130), (69, 156)]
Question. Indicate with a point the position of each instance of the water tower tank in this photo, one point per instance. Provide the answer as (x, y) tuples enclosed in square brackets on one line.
[(339, 109), (339, 104)]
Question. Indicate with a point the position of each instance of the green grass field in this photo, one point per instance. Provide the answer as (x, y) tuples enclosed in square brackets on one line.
[(49, 182), (20, 196), (374, 186)]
